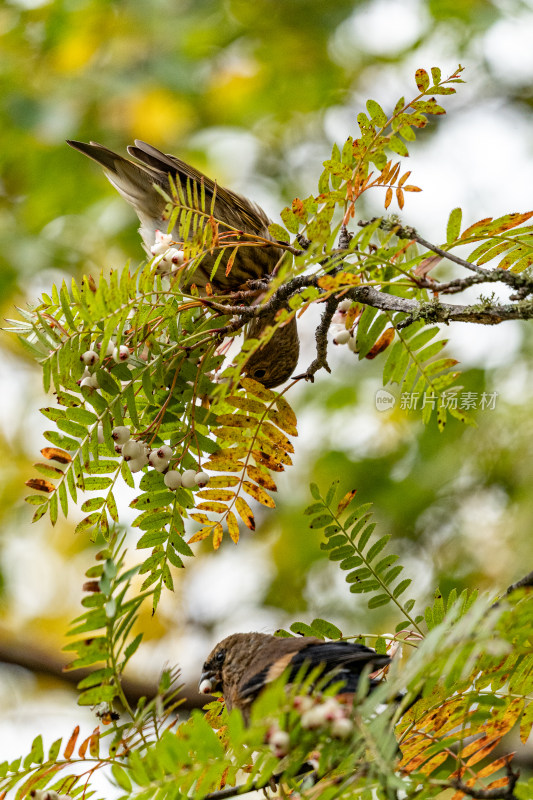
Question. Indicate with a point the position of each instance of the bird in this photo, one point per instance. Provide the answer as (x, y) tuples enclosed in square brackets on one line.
[(243, 664), (138, 182)]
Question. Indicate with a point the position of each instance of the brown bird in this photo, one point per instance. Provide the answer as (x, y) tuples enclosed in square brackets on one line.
[(241, 665), (137, 180)]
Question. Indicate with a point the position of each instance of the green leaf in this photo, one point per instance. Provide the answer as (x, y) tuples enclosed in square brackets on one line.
[(453, 228)]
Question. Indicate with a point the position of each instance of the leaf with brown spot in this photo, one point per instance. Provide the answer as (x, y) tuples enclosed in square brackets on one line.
[(216, 494), (386, 338), (388, 197), (71, 744), (245, 513), (40, 485), (258, 494), (257, 389), (56, 454), (201, 518), (233, 526), (237, 420), (245, 404), (213, 507), (267, 460), (346, 500), (261, 477), (217, 536), (203, 533), (222, 481), (276, 436)]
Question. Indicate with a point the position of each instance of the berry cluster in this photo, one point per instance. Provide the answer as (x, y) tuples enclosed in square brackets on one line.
[(48, 794), (168, 259), (120, 354), (326, 715), (139, 455), (342, 335)]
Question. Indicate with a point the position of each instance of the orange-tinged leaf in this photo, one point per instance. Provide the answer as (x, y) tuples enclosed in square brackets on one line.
[(203, 533), (217, 536), (482, 747), (386, 338), (261, 477), (411, 188), (494, 766), (404, 178), (477, 227), (216, 494), (213, 506), (388, 197), (257, 389), (427, 265), (83, 747), (258, 494), (400, 198), (56, 454), (245, 513), (71, 744), (40, 485), (346, 500), (233, 526)]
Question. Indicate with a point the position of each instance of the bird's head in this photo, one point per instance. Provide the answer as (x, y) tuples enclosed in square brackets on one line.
[(211, 678)]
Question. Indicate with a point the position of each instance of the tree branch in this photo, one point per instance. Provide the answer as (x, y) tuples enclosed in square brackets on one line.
[(499, 793)]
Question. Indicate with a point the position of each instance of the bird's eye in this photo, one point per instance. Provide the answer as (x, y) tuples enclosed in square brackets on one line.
[(259, 373), (219, 658)]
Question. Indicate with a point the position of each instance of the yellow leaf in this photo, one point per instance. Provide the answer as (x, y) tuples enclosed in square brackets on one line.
[(215, 508), (217, 536), (388, 197), (386, 338), (268, 460), (261, 477), (257, 389), (276, 436), (94, 743), (258, 494), (245, 513), (221, 481), (284, 417), (203, 533), (233, 526), (201, 518), (245, 404), (216, 494), (236, 420)]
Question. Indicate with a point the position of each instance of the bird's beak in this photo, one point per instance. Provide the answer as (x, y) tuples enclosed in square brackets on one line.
[(208, 684)]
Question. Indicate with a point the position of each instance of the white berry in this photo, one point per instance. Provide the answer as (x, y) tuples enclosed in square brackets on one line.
[(175, 256), (352, 344), (188, 478), (173, 480), (344, 305), (132, 449), (165, 452), (121, 434), (341, 728), (205, 687), (279, 743), (90, 357), (121, 353), (342, 337), (314, 718), (136, 464), (155, 461), (201, 479), (100, 433), (91, 382)]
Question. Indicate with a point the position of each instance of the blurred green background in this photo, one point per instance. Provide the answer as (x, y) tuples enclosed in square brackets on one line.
[(255, 94)]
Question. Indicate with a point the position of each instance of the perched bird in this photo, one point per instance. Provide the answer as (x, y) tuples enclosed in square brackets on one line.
[(241, 665), (137, 180)]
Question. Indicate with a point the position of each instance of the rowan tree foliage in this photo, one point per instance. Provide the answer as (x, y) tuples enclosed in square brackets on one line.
[(135, 358)]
